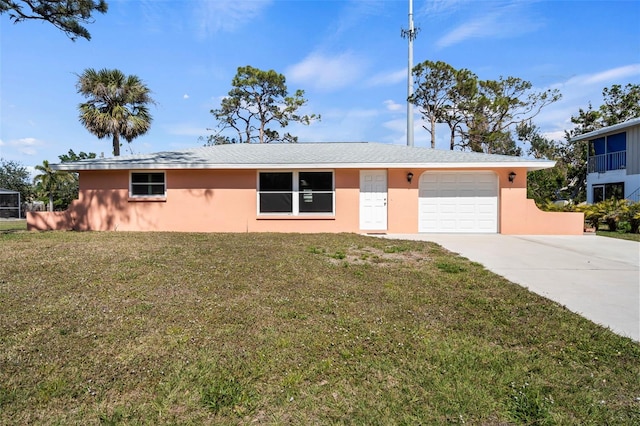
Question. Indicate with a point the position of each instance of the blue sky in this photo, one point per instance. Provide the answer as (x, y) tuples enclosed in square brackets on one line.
[(348, 56)]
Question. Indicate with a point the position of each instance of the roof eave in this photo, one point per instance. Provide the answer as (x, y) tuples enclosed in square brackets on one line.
[(605, 130), (529, 165)]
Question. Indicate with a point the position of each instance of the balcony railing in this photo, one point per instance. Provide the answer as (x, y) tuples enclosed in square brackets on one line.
[(605, 162)]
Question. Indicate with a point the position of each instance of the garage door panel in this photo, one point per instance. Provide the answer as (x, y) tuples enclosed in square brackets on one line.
[(458, 202), (488, 178), (486, 210), (466, 209), (465, 179)]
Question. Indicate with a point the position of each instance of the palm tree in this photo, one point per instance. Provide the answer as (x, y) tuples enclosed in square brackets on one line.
[(50, 180), (116, 105)]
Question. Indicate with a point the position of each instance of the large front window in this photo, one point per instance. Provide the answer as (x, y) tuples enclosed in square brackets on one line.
[(148, 184), (295, 193)]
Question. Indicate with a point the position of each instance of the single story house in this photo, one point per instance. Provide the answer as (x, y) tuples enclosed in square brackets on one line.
[(308, 187), (613, 163)]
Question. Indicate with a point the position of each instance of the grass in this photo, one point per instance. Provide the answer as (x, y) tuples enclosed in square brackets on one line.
[(622, 236), (169, 328), (13, 225)]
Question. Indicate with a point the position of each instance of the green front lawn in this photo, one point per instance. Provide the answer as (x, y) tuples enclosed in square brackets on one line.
[(170, 328), (13, 225)]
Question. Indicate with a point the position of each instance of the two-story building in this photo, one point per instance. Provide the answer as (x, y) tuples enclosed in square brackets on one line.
[(613, 165)]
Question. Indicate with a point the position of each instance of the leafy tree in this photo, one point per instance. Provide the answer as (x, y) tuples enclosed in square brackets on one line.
[(462, 96), (258, 100), (49, 181), (117, 105), (547, 184), (499, 107), (620, 104), (15, 177), (482, 113), (68, 190), (435, 83), (66, 15)]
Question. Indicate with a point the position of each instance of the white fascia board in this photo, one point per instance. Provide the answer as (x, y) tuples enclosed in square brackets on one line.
[(529, 165), (605, 130)]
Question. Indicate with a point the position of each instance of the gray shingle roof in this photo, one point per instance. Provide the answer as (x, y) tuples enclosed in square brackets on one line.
[(304, 155)]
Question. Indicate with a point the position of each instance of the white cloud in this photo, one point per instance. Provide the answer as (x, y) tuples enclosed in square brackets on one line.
[(186, 129), (500, 22), (24, 142), (577, 92), (388, 78), (338, 125), (185, 96), (25, 146), (28, 151), (558, 135), (327, 73), (226, 15), (1, 143), (392, 105), (606, 76), (432, 8)]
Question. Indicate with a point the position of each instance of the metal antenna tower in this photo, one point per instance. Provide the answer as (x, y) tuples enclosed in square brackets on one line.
[(410, 34)]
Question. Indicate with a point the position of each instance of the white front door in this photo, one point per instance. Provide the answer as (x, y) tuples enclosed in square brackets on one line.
[(373, 200)]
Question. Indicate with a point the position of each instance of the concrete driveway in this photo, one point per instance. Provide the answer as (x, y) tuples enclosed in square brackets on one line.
[(596, 277)]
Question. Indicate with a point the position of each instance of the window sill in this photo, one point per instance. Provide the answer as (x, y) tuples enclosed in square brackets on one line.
[(147, 199), (299, 217)]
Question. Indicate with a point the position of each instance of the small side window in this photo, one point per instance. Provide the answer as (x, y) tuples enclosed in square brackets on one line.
[(148, 184)]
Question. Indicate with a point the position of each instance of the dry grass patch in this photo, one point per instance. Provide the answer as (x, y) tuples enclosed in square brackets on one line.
[(387, 255), (168, 328)]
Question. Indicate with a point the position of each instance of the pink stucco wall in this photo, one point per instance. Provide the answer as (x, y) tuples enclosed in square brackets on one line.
[(521, 216), (225, 201)]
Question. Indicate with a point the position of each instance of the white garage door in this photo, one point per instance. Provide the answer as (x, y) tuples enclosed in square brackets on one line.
[(458, 202)]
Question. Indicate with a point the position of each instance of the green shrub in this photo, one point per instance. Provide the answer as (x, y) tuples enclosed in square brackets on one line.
[(557, 206), (615, 210), (623, 227), (612, 212), (593, 214), (633, 216)]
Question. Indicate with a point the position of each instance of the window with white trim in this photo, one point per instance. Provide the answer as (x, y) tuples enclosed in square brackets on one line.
[(296, 193), (148, 184)]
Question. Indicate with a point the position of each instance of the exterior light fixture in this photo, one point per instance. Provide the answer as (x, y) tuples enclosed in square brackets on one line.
[(512, 176), (409, 177)]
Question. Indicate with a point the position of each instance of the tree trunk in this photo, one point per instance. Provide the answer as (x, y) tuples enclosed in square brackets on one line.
[(116, 145), (433, 132), (453, 138), (50, 202)]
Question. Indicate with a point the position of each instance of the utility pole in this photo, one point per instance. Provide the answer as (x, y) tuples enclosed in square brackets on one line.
[(410, 34)]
